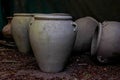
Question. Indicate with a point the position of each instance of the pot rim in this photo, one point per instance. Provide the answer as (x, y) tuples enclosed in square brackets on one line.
[(52, 16), (23, 14), (96, 41)]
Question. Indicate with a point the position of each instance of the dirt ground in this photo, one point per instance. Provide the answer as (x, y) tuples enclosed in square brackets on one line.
[(17, 66)]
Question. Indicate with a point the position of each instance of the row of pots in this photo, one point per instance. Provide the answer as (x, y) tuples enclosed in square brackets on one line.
[(105, 43), (51, 37), (100, 39)]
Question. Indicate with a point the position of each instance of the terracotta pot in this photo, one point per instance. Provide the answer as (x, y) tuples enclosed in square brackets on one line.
[(105, 43), (52, 39), (86, 29), (6, 31), (20, 24)]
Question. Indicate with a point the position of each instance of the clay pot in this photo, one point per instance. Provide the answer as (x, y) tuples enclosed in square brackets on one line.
[(52, 39), (105, 43), (86, 29), (6, 31), (20, 24)]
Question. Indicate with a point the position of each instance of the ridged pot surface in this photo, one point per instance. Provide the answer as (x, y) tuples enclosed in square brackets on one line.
[(108, 48), (52, 39), (86, 29), (20, 24)]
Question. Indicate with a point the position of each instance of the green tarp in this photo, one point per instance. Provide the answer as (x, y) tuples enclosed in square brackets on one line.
[(99, 9), (38, 6), (6, 9), (1, 17)]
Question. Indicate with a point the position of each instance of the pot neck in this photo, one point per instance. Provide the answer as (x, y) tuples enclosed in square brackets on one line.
[(52, 17), (23, 14), (9, 19)]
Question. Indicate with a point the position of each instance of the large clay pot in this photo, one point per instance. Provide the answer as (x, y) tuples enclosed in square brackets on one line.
[(52, 39), (86, 29), (105, 43), (20, 24), (7, 29)]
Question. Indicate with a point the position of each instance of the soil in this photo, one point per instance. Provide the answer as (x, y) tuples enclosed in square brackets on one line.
[(17, 66)]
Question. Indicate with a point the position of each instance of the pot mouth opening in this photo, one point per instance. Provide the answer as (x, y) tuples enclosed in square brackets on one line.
[(53, 16), (96, 39), (23, 14)]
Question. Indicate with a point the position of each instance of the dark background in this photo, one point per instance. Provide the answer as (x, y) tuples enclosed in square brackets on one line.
[(99, 9)]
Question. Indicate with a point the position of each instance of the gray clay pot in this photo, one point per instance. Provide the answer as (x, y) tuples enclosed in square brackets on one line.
[(20, 24), (52, 38), (105, 43), (86, 29)]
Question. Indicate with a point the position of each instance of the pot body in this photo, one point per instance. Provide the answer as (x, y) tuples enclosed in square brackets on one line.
[(86, 29), (108, 45), (7, 29), (52, 40), (20, 24)]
